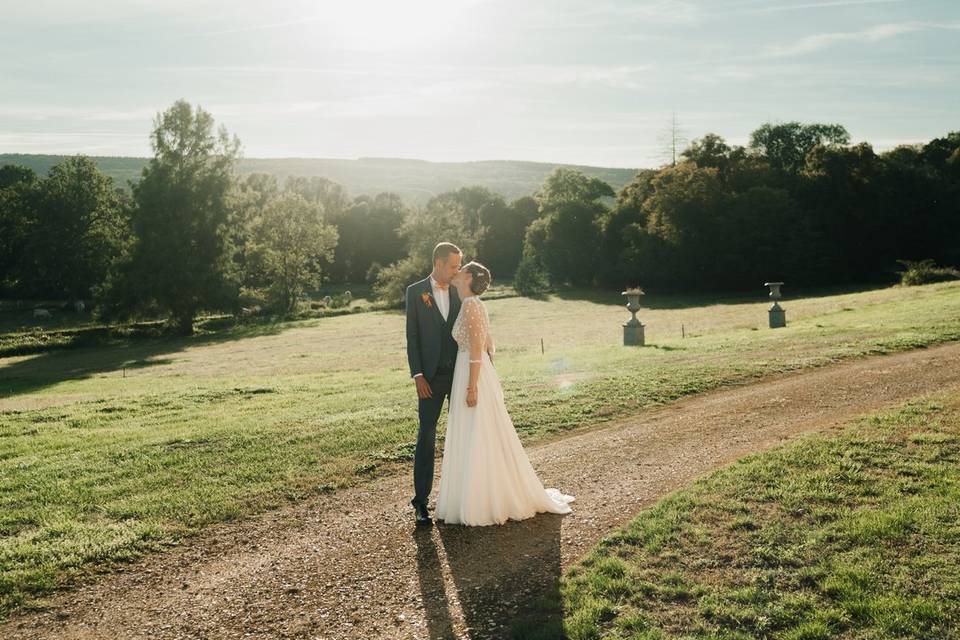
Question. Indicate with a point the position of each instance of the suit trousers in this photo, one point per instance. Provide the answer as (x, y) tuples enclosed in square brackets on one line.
[(429, 412)]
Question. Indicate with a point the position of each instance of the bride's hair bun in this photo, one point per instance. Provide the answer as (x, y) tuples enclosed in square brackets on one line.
[(481, 277)]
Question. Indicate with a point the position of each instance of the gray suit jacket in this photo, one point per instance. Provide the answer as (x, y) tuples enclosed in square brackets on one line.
[(426, 328)]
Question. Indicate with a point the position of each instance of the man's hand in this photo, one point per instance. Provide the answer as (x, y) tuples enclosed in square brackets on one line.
[(471, 397), (423, 388)]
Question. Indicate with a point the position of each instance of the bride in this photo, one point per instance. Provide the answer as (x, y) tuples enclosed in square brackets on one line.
[(485, 476)]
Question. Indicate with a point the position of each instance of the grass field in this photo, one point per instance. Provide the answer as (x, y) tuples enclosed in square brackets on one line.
[(108, 452), (855, 535)]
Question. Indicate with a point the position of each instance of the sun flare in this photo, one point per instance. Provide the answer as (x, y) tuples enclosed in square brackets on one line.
[(383, 25)]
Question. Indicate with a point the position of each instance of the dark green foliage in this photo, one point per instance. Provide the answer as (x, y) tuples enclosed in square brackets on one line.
[(81, 224), (369, 232), (785, 146), (59, 234), (531, 277), (18, 187), (501, 246), (798, 206), (566, 239)]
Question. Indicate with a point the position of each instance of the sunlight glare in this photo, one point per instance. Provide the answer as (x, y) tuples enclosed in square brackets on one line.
[(381, 25)]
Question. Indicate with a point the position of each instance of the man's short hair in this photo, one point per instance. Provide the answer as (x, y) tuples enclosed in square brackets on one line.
[(444, 249)]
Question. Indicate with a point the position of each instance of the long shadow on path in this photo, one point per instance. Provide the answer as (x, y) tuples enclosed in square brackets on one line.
[(507, 578)]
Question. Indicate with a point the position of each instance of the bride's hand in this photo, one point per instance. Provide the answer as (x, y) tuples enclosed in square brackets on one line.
[(471, 396)]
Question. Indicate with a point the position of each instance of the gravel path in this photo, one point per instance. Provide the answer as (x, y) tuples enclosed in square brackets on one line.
[(353, 565)]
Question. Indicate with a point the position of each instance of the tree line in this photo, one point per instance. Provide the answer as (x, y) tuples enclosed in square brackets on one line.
[(798, 203)]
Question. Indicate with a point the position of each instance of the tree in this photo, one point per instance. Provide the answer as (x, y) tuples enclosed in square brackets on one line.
[(672, 140), (79, 231), (181, 261), (453, 216), (501, 247), (682, 224), (330, 196), (709, 151), (620, 227), (942, 156), (288, 240), (565, 186), (765, 236), (18, 217), (565, 240), (785, 146), (251, 196), (369, 231), (839, 190)]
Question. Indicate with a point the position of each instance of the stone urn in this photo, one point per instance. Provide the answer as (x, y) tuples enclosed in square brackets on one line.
[(633, 329), (777, 314)]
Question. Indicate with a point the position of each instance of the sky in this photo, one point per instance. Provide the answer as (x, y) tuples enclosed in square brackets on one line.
[(595, 82)]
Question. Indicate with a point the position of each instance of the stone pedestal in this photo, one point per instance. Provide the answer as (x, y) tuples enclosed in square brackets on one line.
[(633, 328), (778, 317), (777, 314)]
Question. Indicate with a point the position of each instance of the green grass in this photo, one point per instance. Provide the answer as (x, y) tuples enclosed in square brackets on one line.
[(106, 453), (855, 535)]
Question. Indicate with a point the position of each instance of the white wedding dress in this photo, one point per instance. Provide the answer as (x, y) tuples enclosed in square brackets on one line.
[(485, 476)]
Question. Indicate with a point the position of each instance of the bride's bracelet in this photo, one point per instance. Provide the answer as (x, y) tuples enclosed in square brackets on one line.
[(476, 361)]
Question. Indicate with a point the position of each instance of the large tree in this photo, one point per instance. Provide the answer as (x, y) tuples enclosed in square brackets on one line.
[(80, 228), (288, 240), (785, 146), (505, 228), (840, 193), (683, 212), (18, 219), (565, 240), (369, 231), (182, 259)]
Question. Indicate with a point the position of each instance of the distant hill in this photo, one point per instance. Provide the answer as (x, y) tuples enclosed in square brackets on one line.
[(414, 180)]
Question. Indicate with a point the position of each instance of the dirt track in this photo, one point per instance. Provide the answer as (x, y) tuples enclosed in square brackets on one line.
[(352, 564)]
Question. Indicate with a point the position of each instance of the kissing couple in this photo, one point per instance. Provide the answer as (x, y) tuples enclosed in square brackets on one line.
[(485, 476)]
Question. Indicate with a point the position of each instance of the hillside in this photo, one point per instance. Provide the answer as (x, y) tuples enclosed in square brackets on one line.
[(415, 180)]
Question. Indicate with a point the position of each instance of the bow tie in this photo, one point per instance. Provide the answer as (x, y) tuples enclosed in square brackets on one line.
[(440, 285)]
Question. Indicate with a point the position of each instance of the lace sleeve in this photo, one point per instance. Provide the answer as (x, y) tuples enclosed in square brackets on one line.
[(476, 327)]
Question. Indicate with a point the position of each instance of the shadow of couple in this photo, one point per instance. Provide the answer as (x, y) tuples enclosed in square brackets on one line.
[(506, 578)]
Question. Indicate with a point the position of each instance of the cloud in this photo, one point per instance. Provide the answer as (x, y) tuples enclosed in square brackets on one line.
[(35, 112), (876, 33), (616, 76), (819, 5)]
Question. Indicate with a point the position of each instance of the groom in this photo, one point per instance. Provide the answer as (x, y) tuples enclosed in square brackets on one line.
[(432, 306)]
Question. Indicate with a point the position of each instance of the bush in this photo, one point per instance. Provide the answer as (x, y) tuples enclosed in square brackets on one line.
[(531, 277), (374, 272), (392, 281), (925, 272), (339, 301)]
